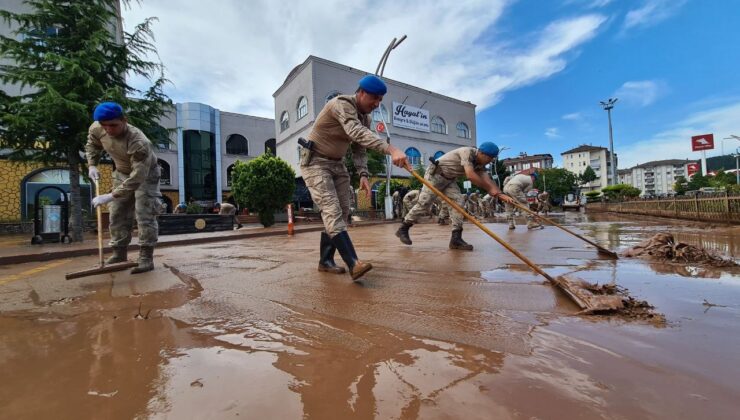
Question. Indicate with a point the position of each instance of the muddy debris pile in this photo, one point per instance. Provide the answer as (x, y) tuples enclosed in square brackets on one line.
[(664, 247), (633, 309)]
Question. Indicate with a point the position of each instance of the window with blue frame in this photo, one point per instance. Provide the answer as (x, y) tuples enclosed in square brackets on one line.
[(414, 156), (438, 155), (463, 130)]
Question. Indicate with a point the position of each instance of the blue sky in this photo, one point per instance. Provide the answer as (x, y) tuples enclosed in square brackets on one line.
[(537, 69)]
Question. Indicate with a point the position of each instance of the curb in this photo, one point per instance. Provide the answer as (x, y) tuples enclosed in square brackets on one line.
[(49, 256)]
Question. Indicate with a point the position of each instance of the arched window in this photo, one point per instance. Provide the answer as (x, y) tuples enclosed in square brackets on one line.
[(164, 168), (284, 121), (301, 108), (229, 171), (438, 155), (414, 156), (438, 125), (270, 146), (237, 144), (333, 94), (377, 111), (463, 130)]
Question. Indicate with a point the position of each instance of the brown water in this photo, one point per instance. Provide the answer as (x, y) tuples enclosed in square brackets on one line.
[(251, 330)]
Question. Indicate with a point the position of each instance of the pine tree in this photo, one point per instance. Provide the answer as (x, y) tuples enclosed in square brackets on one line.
[(67, 57)]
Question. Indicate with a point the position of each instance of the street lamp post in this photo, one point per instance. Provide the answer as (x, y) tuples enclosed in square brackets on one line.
[(737, 165), (388, 168), (492, 168), (608, 105)]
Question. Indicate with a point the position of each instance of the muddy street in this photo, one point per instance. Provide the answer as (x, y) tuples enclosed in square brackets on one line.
[(250, 329)]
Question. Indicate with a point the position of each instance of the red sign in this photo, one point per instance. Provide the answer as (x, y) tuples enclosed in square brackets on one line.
[(380, 127), (703, 142), (692, 168)]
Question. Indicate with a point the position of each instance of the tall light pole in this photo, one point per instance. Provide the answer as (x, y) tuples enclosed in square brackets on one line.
[(608, 105), (737, 165), (388, 168)]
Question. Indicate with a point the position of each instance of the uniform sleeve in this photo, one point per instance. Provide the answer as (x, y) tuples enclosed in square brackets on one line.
[(142, 158), (359, 157), (346, 114), (467, 157), (93, 147)]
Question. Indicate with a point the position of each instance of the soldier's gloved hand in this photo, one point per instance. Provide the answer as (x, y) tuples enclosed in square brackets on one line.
[(102, 199), (93, 173)]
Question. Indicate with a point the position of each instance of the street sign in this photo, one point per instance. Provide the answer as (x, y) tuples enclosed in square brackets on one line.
[(702, 142), (692, 168), (467, 184)]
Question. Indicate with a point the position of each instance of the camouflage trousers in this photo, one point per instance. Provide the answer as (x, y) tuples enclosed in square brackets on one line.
[(328, 182), (144, 204), (449, 188), (444, 211), (516, 193)]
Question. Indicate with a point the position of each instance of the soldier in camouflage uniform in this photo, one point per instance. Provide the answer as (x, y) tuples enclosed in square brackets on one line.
[(135, 183), (464, 161), (517, 188), (410, 200), (344, 122), (443, 217)]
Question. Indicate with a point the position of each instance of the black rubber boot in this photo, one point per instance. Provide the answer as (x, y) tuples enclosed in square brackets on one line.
[(120, 254), (403, 232), (344, 245), (456, 241), (146, 260), (326, 261)]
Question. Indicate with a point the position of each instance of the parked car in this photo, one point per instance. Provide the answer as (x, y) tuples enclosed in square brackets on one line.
[(571, 201)]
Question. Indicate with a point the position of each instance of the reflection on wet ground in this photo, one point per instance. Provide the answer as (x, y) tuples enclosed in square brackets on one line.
[(252, 330)]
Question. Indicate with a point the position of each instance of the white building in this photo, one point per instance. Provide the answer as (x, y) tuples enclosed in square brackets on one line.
[(624, 176), (442, 124), (598, 158), (657, 178)]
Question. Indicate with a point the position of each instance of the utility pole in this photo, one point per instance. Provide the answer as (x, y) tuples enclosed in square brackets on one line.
[(388, 167), (608, 105)]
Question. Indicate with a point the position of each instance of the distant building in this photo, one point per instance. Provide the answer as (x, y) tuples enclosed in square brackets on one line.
[(658, 177), (598, 158), (525, 161), (624, 176)]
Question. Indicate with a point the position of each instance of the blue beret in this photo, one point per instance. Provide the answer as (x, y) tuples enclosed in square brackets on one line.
[(373, 84), (107, 111), (489, 149)]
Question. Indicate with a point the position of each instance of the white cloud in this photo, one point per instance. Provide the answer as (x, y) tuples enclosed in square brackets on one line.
[(675, 142), (652, 12), (641, 93), (575, 116), (234, 55), (553, 133)]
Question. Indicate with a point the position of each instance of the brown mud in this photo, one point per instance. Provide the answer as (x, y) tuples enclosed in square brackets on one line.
[(251, 330), (663, 247)]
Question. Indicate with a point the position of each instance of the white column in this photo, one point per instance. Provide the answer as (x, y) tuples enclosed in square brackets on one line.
[(180, 155), (217, 116)]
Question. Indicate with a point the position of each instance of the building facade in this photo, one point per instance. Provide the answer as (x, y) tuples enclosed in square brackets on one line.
[(598, 158), (438, 124), (624, 176), (657, 178), (524, 161), (205, 143)]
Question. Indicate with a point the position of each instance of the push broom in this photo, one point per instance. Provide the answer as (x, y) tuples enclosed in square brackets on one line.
[(103, 268)]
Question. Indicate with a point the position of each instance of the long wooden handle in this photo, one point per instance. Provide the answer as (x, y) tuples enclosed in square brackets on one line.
[(600, 248), (99, 210), (473, 220)]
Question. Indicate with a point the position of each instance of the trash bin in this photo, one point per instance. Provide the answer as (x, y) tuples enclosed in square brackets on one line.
[(52, 221)]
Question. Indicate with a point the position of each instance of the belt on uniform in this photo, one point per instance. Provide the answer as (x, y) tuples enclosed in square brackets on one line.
[(323, 156)]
